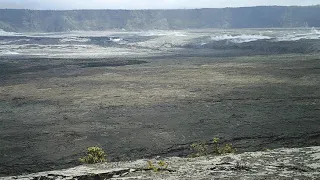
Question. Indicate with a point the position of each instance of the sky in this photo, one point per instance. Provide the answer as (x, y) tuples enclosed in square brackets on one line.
[(145, 4)]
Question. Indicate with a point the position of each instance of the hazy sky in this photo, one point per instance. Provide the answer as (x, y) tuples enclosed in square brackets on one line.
[(144, 4)]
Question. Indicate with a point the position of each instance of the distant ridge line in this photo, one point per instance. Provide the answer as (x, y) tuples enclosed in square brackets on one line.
[(24, 20)]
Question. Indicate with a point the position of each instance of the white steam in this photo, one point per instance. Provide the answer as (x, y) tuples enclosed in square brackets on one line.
[(5, 33), (239, 38)]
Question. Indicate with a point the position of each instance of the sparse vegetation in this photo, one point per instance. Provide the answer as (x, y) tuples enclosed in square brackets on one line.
[(222, 149), (161, 165), (199, 149), (226, 149), (94, 155), (266, 149), (216, 148), (202, 149)]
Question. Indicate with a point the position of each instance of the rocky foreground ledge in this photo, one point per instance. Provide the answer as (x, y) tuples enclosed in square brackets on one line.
[(296, 163)]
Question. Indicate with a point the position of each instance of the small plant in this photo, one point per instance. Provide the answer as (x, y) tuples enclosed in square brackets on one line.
[(216, 148), (220, 150), (152, 167), (266, 149), (228, 149), (94, 155), (162, 165), (202, 149), (199, 149)]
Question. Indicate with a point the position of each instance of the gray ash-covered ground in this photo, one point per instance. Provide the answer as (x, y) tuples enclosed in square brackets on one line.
[(154, 94)]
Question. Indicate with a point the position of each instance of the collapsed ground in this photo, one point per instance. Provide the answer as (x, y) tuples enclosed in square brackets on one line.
[(51, 110)]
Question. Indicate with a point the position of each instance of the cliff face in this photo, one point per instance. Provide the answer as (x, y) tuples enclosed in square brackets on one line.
[(300, 163), (247, 17)]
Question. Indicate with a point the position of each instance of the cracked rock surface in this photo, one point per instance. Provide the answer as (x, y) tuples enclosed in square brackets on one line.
[(295, 163)]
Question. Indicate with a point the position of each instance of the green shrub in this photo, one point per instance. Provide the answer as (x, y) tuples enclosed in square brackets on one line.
[(162, 165), (202, 149), (220, 150), (94, 155), (227, 149), (199, 149), (152, 167), (216, 148)]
